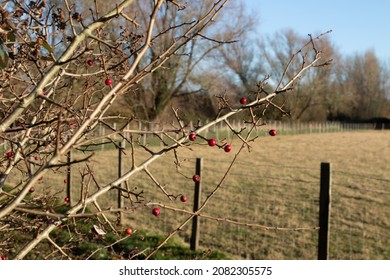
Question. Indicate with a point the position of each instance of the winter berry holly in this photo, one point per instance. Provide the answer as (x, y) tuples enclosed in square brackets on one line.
[(31, 190), (90, 62), (66, 199), (9, 154), (3, 257), (156, 211), (227, 148), (272, 132), (108, 82), (212, 142), (192, 136), (129, 231), (183, 198), (196, 178), (243, 100)]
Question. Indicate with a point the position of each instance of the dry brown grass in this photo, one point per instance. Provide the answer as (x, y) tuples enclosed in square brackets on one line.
[(276, 184)]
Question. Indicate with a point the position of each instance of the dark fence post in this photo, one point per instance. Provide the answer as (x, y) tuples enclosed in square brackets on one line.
[(195, 221), (69, 177), (120, 171), (325, 200)]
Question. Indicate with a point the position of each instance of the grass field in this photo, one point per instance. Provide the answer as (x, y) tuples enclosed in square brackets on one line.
[(276, 184)]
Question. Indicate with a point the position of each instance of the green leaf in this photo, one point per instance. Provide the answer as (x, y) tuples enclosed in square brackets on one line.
[(47, 47), (3, 55)]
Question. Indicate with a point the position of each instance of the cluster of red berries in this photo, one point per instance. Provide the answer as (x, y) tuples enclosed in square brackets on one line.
[(210, 141), (196, 178), (243, 101)]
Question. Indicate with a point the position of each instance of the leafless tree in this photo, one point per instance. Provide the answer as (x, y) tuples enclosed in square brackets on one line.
[(248, 63), (62, 71), (362, 87)]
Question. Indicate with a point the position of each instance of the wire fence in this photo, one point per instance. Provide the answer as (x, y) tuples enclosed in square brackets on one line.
[(287, 197), (359, 222), (262, 193), (270, 199), (221, 130), (360, 216), (272, 195)]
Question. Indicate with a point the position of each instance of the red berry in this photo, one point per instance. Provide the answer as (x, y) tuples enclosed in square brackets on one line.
[(51, 221), (3, 257), (32, 189), (108, 82), (272, 132), (212, 142), (65, 181), (66, 199), (156, 211), (36, 158), (10, 154), (196, 178), (192, 136), (183, 198), (228, 148), (129, 231), (243, 100), (90, 62)]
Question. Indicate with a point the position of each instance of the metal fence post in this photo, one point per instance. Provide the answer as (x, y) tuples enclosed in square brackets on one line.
[(69, 177), (194, 243), (120, 171), (325, 201)]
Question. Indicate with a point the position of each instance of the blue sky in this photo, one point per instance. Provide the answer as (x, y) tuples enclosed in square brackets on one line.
[(357, 25)]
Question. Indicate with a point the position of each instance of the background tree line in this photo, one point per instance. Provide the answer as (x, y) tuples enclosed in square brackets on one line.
[(352, 87)]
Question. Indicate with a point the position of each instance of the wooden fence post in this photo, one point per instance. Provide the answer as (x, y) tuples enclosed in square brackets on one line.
[(69, 177), (194, 243), (325, 201), (120, 171)]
